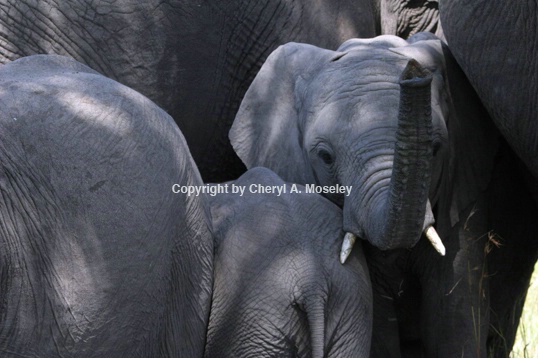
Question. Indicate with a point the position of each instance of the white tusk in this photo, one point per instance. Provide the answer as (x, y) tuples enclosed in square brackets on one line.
[(347, 246), (434, 238)]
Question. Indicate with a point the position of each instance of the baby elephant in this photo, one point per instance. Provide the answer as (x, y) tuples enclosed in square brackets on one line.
[(279, 289)]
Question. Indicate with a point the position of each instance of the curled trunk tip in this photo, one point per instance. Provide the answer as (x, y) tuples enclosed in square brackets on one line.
[(414, 75)]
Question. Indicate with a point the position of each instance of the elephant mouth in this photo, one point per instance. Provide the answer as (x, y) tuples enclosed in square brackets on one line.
[(429, 232)]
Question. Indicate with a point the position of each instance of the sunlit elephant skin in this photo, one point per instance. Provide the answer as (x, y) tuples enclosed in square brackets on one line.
[(280, 290), (196, 58), (319, 116), (98, 257)]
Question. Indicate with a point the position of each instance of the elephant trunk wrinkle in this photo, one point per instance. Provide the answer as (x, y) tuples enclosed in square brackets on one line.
[(400, 217)]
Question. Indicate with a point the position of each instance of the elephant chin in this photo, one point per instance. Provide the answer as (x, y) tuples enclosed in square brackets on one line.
[(429, 232)]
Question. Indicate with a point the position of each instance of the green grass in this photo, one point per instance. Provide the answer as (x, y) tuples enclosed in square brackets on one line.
[(526, 345)]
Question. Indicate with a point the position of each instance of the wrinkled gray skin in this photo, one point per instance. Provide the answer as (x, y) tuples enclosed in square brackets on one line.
[(97, 257), (346, 103), (315, 116), (280, 290), (495, 43), (196, 58)]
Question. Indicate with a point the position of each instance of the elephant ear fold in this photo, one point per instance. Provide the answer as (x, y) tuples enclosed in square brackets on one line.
[(266, 131)]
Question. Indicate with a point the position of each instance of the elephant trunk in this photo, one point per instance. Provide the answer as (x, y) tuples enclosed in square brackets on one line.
[(397, 219)]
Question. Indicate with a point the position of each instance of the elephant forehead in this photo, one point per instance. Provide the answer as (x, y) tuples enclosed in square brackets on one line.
[(357, 84), (366, 102), (364, 63)]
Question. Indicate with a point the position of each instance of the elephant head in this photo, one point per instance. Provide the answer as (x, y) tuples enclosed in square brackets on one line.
[(371, 115)]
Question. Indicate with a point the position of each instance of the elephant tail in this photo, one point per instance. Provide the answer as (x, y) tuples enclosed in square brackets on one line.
[(315, 311)]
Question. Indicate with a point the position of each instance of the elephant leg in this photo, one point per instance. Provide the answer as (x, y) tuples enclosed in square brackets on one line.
[(385, 334), (386, 273), (455, 304), (512, 217)]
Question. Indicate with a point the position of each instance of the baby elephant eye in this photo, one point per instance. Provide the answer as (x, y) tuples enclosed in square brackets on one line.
[(326, 156)]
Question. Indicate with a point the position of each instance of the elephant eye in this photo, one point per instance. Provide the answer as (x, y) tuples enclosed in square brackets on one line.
[(326, 157)]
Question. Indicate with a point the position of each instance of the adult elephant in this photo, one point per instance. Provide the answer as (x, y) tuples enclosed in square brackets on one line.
[(196, 58), (98, 256), (279, 289), (414, 147), (495, 43)]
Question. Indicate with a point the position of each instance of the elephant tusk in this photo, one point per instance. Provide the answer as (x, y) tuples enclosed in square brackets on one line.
[(347, 246), (434, 238)]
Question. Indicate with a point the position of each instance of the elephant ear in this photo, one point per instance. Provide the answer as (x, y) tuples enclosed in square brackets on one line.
[(472, 138), (266, 131)]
